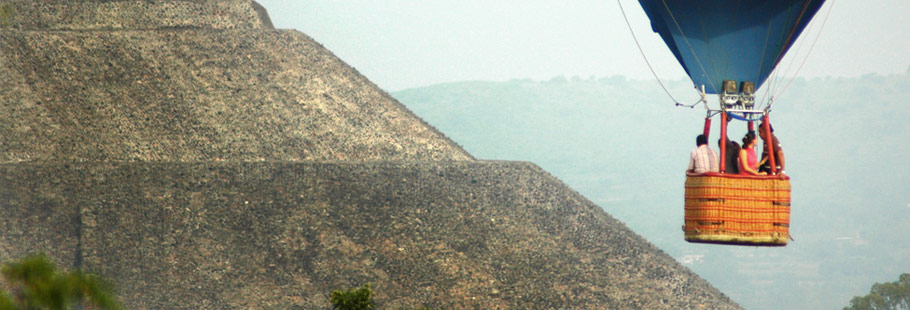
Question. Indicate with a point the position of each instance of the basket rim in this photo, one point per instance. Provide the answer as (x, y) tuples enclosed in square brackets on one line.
[(727, 239), (738, 176)]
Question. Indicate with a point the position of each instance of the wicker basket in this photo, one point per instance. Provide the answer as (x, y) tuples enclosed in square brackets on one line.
[(737, 209)]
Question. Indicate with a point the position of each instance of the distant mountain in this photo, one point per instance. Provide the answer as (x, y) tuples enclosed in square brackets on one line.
[(624, 144)]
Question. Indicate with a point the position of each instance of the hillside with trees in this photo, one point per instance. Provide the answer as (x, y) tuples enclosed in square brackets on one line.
[(890, 295)]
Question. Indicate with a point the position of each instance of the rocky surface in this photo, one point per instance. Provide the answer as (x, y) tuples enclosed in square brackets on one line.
[(440, 234), (202, 160), (107, 15), (196, 95)]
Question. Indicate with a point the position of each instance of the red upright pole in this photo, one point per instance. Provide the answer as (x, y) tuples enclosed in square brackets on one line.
[(707, 127), (769, 141), (723, 142)]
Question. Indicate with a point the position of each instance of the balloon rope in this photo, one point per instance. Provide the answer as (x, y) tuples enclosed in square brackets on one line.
[(811, 47), (640, 50), (787, 42), (792, 35), (771, 86), (773, 81)]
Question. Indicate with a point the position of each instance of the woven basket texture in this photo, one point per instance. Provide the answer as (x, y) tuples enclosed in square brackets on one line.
[(738, 210)]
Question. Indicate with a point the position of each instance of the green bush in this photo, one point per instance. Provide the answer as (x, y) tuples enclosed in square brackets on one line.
[(353, 299), (35, 283)]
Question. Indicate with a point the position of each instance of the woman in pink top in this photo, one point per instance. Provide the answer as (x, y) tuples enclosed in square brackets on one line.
[(748, 162)]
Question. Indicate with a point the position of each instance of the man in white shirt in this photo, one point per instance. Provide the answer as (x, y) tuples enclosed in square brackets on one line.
[(703, 158)]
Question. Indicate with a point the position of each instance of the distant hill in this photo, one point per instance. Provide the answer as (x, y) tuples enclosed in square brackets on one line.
[(624, 144)]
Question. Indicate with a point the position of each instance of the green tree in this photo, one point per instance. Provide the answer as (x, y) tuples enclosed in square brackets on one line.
[(885, 296), (35, 283), (353, 299)]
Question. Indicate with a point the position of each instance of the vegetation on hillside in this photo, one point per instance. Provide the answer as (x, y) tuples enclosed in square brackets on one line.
[(353, 299), (885, 296), (34, 282)]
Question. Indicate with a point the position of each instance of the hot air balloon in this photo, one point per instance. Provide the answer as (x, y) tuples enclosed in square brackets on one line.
[(729, 48)]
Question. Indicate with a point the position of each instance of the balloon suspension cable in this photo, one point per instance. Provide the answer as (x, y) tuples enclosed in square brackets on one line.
[(704, 99), (650, 67), (691, 106), (768, 107), (772, 89), (809, 53)]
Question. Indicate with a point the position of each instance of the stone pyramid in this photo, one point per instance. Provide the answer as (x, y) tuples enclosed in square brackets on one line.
[(201, 159)]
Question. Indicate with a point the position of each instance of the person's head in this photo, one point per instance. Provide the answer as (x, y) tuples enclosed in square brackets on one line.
[(761, 130), (730, 144), (701, 139), (749, 139)]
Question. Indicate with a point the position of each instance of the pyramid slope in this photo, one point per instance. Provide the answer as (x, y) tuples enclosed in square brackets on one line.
[(108, 15), (200, 159), (197, 95), (456, 234)]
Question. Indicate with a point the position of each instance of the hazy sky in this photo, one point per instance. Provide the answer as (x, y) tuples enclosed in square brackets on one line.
[(400, 44)]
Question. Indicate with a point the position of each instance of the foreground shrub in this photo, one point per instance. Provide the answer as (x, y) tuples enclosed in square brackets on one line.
[(353, 299), (35, 283)]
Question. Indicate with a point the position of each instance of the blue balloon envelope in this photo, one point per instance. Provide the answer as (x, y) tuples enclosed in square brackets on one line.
[(739, 40)]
